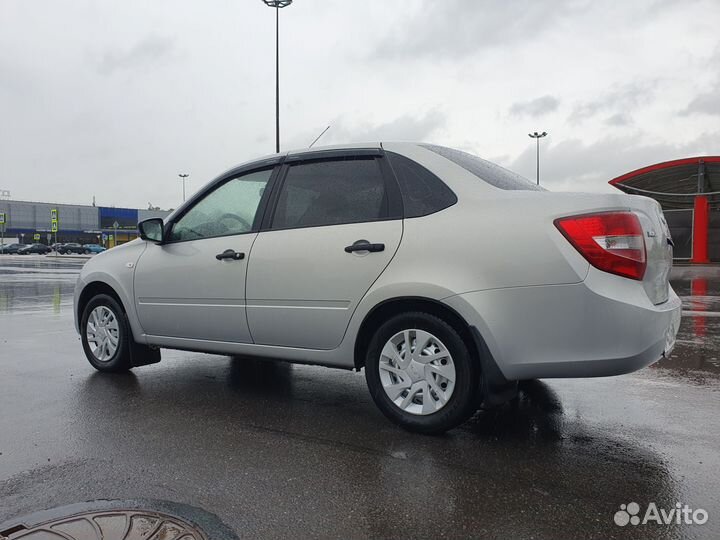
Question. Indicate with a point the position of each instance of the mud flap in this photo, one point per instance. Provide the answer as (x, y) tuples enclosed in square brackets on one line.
[(495, 388), (142, 355)]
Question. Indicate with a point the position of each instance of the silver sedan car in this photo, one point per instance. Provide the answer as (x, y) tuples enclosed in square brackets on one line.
[(446, 277)]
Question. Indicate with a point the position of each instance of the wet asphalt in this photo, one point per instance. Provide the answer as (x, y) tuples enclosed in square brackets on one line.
[(276, 450)]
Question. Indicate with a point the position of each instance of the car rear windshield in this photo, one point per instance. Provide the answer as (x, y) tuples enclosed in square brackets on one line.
[(493, 174)]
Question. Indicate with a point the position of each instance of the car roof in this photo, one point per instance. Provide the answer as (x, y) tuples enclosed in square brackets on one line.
[(273, 158), (330, 148)]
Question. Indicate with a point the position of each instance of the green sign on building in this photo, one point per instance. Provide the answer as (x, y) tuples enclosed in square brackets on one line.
[(53, 222)]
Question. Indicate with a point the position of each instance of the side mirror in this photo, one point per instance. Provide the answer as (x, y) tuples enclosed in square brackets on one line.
[(152, 230)]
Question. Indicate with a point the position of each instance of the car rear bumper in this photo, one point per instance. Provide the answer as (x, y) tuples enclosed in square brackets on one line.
[(605, 325)]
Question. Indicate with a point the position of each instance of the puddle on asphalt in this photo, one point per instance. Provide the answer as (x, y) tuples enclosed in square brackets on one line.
[(696, 356)]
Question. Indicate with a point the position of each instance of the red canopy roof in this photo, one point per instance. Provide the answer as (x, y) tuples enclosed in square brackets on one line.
[(675, 183)]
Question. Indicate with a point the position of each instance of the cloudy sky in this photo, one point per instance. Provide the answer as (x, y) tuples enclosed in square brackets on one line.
[(115, 98)]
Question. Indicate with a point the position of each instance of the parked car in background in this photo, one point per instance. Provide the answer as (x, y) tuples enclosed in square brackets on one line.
[(55, 246), (93, 248), (41, 249), (11, 249), (70, 247), (446, 277)]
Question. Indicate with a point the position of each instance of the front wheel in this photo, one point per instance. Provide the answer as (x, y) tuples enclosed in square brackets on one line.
[(421, 373), (105, 334)]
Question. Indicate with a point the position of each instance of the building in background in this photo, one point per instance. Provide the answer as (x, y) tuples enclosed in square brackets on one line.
[(689, 192), (108, 226)]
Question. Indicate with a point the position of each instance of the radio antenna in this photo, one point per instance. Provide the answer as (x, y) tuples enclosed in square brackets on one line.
[(318, 137)]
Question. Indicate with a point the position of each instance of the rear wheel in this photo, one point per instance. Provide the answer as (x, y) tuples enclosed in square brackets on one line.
[(421, 374), (105, 334), (87, 252)]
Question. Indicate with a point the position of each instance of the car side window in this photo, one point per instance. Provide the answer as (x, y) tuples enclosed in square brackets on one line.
[(228, 209), (332, 192), (423, 193)]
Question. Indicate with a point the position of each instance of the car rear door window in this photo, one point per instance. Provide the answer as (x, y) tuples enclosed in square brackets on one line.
[(331, 192), (423, 193)]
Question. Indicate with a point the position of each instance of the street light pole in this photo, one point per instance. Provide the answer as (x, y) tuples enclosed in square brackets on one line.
[(277, 4), (183, 176), (537, 136), (277, 79)]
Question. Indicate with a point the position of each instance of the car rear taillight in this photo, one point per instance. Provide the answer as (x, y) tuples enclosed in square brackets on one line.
[(610, 241)]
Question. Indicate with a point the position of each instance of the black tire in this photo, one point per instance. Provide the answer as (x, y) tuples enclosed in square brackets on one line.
[(121, 360), (463, 401), (87, 252)]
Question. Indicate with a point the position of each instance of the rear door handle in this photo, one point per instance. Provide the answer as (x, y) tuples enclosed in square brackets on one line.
[(364, 245), (230, 254)]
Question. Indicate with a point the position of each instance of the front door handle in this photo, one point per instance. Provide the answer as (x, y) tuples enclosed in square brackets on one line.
[(364, 245), (230, 254)]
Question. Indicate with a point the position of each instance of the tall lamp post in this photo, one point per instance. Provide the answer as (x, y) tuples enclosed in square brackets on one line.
[(537, 136), (183, 176), (277, 4)]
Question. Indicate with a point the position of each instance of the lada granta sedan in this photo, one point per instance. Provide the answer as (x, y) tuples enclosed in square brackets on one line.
[(446, 277)]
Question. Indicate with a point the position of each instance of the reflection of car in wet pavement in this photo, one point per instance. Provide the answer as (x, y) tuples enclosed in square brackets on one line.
[(248, 440), (278, 258)]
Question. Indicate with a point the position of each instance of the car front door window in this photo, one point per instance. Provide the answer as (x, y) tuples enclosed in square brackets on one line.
[(229, 209)]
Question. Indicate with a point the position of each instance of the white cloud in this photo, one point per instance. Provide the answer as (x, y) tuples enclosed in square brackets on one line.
[(147, 52), (617, 101), (535, 107), (406, 127), (458, 28), (707, 103)]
